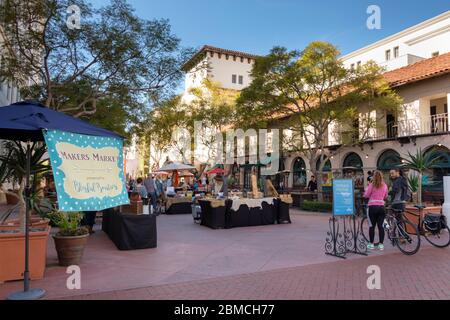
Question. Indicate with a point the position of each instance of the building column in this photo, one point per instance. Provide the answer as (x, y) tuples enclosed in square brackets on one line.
[(424, 114), (447, 123)]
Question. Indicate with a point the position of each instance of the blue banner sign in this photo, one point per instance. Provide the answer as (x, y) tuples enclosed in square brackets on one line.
[(343, 197), (88, 171)]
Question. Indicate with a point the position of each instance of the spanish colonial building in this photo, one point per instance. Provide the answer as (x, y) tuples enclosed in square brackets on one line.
[(417, 67)]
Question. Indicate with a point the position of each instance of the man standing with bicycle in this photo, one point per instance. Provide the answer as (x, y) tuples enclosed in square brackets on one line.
[(399, 190)]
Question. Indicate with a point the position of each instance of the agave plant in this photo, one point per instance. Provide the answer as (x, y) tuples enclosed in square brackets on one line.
[(413, 183), (15, 160), (420, 162)]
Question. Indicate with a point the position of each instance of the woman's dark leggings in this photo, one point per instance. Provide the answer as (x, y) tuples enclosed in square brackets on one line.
[(376, 216)]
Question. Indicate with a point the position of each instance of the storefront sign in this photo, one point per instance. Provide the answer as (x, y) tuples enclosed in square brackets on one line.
[(343, 197), (88, 171)]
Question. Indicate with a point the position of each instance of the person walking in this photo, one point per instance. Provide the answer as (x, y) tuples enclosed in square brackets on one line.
[(142, 190), (150, 185), (377, 193), (88, 220)]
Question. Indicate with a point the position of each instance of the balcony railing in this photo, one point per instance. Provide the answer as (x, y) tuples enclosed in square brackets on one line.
[(434, 124), (429, 125)]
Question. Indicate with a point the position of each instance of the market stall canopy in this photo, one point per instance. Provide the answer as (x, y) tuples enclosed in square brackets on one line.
[(25, 121), (215, 171), (164, 173), (176, 166), (186, 174)]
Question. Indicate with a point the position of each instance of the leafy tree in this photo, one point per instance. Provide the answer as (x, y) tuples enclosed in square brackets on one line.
[(307, 92), (209, 104), (214, 108), (114, 57)]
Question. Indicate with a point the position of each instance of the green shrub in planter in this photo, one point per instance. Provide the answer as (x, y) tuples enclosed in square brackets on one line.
[(317, 206)]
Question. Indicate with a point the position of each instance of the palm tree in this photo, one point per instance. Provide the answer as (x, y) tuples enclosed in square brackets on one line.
[(15, 162), (420, 162)]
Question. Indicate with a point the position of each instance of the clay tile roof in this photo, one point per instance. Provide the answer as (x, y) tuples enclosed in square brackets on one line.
[(208, 48), (421, 70)]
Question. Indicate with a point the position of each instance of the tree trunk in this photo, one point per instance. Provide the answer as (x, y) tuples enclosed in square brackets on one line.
[(419, 190)]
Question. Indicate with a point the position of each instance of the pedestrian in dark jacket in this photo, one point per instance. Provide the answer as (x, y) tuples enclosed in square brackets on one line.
[(399, 190)]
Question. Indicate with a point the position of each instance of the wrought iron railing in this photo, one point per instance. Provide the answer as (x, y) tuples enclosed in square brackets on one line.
[(433, 124)]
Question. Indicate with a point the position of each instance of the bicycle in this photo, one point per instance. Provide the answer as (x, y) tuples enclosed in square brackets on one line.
[(365, 223), (401, 232), (434, 228)]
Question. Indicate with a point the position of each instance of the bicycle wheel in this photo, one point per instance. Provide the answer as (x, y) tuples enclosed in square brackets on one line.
[(365, 228), (439, 239), (407, 243)]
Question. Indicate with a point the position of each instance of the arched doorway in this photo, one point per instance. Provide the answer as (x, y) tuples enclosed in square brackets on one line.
[(299, 173), (389, 159), (353, 168), (326, 174), (432, 180)]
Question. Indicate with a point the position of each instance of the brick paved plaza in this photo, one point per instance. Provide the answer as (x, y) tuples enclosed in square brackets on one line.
[(267, 262)]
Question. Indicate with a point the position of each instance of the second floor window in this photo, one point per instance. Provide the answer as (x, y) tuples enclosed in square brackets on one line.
[(241, 80), (396, 52), (233, 78), (388, 55)]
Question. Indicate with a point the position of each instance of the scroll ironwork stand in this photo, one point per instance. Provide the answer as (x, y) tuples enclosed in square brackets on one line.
[(350, 240)]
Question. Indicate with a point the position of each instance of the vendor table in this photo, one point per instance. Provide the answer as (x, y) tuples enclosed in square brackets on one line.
[(219, 214), (130, 231), (178, 205)]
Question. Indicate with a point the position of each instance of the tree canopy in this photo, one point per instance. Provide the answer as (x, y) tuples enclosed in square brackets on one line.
[(307, 91), (115, 57)]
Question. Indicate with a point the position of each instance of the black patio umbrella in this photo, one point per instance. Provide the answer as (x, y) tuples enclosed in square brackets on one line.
[(25, 121)]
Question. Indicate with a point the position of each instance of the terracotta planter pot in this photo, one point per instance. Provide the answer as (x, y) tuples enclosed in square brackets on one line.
[(412, 214), (70, 249), (12, 255), (14, 224), (11, 200)]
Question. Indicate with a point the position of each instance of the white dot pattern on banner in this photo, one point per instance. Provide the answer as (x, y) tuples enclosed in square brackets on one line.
[(53, 137)]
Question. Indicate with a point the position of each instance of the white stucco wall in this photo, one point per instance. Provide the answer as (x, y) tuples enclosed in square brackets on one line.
[(223, 69), (419, 41)]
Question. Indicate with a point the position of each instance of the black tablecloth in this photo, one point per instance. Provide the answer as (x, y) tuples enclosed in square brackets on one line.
[(282, 211), (129, 231), (180, 208), (212, 217), (225, 217)]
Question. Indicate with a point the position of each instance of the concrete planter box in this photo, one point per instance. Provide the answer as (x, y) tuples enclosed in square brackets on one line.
[(14, 224), (12, 254)]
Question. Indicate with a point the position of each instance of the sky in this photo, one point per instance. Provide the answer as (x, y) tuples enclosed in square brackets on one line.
[(255, 26)]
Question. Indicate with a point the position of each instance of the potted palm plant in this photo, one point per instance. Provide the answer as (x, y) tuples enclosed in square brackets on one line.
[(71, 237), (12, 235), (413, 185), (419, 163), (15, 160)]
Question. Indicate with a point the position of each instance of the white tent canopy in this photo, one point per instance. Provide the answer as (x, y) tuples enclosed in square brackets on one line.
[(175, 166)]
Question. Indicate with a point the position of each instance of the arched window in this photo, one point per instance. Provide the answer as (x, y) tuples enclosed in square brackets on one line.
[(326, 166), (353, 168), (433, 178), (353, 161), (299, 173), (390, 159)]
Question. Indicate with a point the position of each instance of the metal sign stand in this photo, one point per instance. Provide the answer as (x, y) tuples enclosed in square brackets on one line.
[(344, 236)]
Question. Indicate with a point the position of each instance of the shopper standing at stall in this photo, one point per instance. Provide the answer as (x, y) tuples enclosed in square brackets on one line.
[(150, 185)]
